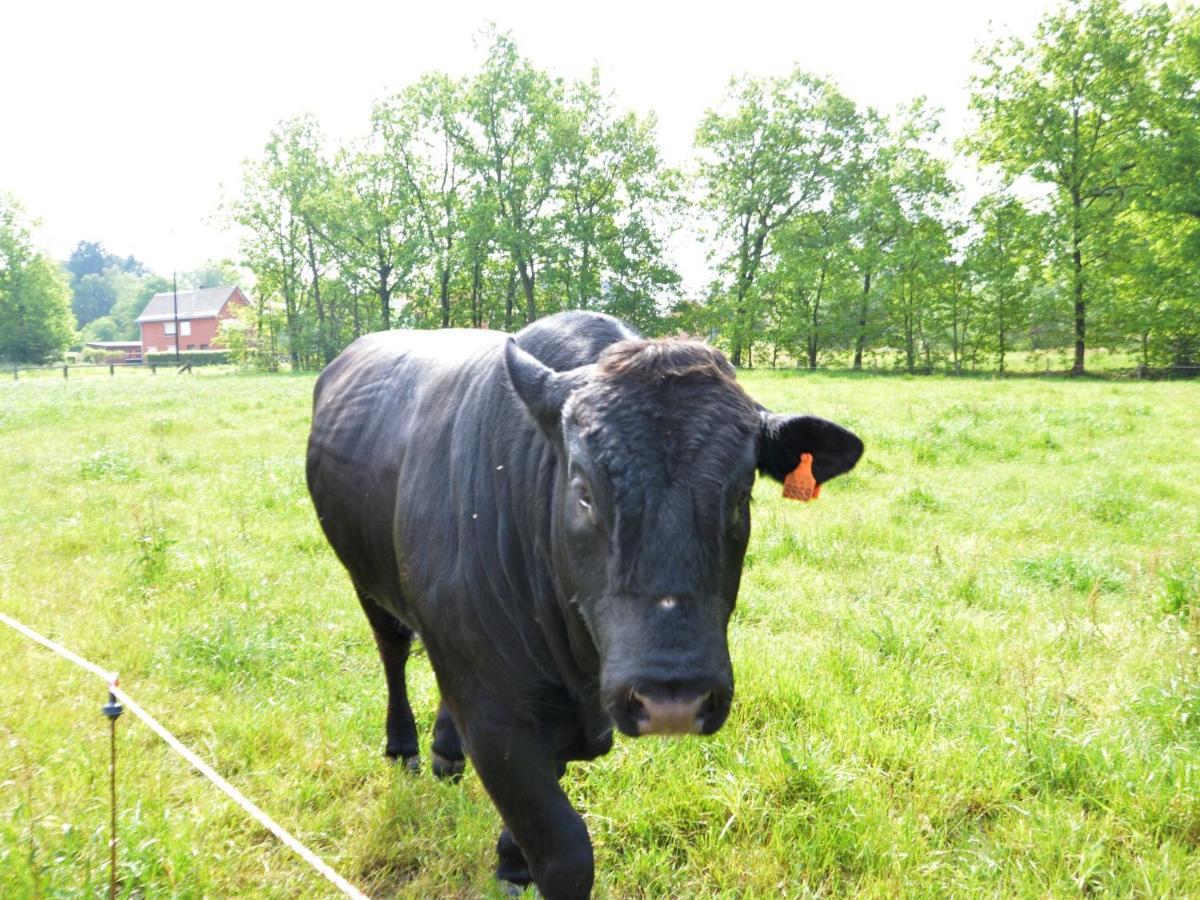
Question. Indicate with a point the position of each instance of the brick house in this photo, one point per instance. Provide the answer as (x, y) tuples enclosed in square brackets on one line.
[(199, 313)]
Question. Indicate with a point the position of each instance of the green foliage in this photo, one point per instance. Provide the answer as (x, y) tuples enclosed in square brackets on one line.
[(1069, 110), (769, 156), (36, 324), (195, 357), (105, 285), (484, 202), (954, 677), (213, 273)]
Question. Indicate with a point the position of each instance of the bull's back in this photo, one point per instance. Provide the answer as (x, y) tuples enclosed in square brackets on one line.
[(424, 467), (388, 400)]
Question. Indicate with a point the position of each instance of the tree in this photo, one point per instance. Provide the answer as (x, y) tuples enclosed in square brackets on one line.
[(209, 274), (417, 129), (613, 198), (509, 136), (1005, 259), (35, 308), (1069, 111), (813, 263), (771, 153), (93, 297), (279, 241)]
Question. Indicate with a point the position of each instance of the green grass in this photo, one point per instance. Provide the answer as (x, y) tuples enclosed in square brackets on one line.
[(972, 667)]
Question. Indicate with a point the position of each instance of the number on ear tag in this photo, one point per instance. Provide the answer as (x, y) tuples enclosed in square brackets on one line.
[(800, 484)]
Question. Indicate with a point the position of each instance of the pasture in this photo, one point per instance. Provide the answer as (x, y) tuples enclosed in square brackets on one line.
[(972, 667)]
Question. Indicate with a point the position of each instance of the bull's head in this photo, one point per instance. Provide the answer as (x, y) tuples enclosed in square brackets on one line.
[(658, 450)]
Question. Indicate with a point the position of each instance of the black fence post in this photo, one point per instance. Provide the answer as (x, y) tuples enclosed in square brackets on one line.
[(64, 372), (111, 369)]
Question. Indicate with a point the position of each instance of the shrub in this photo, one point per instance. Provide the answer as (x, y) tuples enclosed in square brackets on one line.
[(195, 357)]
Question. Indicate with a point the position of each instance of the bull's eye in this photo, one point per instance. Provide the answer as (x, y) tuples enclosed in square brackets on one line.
[(584, 497)]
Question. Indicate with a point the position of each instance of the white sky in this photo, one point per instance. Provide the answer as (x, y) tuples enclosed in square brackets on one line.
[(121, 121)]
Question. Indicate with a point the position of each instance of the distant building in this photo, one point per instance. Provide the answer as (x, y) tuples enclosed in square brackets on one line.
[(198, 314)]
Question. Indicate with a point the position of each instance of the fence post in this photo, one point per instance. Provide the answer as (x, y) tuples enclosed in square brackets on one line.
[(64, 372), (112, 709), (153, 369), (111, 369)]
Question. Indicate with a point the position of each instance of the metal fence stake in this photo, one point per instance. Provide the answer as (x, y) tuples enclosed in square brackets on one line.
[(113, 710)]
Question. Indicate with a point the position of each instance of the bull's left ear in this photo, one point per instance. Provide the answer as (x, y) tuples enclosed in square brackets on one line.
[(542, 389), (782, 440)]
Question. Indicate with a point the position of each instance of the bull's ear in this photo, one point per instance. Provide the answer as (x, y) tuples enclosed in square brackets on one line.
[(783, 439), (541, 389)]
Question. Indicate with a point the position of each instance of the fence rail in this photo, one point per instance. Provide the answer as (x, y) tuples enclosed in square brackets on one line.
[(112, 368)]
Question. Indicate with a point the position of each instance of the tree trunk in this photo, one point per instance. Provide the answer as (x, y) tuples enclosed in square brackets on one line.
[(476, 283), (861, 338), (814, 334), (735, 355), (444, 279), (1080, 304), (583, 275), (509, 298), (525, 268), (293, 324), (955, 348), (1001, 334), (323, 341), (385, 303)]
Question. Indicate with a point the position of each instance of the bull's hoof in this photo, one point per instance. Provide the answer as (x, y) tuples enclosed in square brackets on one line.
[(447, 769), (411, 763), (511, 888)]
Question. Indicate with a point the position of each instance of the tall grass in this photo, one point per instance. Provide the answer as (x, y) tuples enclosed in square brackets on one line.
[(973, 666)]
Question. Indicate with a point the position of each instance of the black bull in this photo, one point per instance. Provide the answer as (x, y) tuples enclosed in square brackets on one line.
[(562, 518)]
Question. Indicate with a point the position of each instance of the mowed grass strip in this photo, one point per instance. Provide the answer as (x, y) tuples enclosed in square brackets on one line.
[(973, 666)]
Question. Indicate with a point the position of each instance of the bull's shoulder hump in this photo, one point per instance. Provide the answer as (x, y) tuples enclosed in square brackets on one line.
[(444, 344), (574, 338), (386, 362)]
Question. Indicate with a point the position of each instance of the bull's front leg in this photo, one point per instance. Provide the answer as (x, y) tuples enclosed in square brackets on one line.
[(518, 768)]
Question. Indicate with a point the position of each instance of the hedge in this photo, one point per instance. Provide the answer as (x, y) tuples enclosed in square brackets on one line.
[(195, 357)]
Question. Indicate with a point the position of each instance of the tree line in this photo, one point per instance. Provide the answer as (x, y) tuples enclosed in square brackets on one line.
[(47, 306), (487, 201), (837, 233)]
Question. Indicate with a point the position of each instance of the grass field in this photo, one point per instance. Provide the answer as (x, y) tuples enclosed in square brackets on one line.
[(973, 667)]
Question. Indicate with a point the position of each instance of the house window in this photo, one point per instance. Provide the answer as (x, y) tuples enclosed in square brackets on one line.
[(191, 346), (185, 327), (168, 328), (204, 346)]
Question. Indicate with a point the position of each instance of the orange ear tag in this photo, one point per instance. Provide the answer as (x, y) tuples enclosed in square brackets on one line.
[(800, 484)]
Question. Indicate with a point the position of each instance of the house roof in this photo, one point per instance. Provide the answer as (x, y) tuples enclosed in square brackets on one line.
[(115, 345), (202, 304)]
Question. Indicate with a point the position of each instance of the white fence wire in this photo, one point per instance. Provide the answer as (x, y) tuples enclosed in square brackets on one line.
[(251, 809)]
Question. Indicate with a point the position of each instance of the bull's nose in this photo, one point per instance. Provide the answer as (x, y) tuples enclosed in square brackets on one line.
[(673, 716)]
